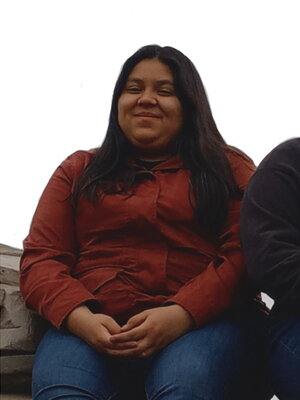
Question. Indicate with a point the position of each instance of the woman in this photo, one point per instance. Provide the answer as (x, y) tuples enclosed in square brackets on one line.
[(134, 255)]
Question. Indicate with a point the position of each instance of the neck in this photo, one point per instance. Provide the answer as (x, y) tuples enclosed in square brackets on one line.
[(152, 157)]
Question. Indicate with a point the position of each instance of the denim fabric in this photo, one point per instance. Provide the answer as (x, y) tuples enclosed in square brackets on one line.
[(284, 357), (220, 361)]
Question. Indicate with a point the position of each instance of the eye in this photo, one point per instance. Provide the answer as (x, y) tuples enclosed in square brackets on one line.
[(165, 92), (133, 89)]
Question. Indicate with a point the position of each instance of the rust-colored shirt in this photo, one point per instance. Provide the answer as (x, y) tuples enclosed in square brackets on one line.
[(128, 254)]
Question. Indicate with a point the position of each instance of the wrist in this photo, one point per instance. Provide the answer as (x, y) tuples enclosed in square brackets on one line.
[(77, 315), (184, 315)]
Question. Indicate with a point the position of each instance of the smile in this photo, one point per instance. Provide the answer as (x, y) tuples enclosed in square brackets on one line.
[(146, 115)]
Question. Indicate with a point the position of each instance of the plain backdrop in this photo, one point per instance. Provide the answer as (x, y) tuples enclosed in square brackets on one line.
[(59, 60)]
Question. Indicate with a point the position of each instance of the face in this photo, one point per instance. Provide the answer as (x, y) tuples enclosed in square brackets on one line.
[(149, 111)]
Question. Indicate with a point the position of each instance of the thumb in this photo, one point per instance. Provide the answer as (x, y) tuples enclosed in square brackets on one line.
[(111, 325)]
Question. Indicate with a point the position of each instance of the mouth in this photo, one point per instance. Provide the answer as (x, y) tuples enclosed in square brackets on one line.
[(146, 115)]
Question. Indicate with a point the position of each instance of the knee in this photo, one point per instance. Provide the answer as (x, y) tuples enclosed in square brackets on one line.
[(186, 377), (199, 366), (77, 384), (56, 392)]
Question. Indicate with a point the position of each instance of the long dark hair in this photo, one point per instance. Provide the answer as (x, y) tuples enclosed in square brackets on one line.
[(199, 144)]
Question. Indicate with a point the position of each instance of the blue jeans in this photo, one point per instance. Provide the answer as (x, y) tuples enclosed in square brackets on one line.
[(284, 357), (222, 360)]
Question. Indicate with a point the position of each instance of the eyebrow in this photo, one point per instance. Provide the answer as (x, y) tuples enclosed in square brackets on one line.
[(160, 81)]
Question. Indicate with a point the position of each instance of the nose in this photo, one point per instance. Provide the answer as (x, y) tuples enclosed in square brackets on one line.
[(147, 97)]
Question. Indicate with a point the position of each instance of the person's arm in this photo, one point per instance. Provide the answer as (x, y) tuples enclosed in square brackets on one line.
[(270, 227), (215, 289), (50, 249)]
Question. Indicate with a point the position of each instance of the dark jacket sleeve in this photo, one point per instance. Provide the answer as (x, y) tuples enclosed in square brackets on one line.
[(270, 226)]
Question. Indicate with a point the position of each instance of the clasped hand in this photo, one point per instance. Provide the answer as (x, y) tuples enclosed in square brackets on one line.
[(143, 334)]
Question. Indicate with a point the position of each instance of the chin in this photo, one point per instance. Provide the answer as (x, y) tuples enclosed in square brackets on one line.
[(144, 140)]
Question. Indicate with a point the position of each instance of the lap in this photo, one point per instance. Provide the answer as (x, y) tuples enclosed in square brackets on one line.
[(64, 361), (221, 360)]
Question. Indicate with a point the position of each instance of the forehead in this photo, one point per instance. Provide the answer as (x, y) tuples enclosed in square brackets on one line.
[(151, 69)]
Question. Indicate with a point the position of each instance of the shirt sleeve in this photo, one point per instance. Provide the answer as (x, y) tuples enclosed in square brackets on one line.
[(50, 252), (214, 290), (271, 226)]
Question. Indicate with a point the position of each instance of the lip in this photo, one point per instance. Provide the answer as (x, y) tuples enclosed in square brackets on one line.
[(146, 115)]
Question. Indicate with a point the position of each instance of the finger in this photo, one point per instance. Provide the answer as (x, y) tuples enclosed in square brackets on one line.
[(100, 343), (134, 334), (134, 321), (141, 351), (146, 350), (133, 353), (111, 325), (122, 346)]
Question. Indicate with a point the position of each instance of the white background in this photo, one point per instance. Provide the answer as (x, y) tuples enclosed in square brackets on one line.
[(59, 60)]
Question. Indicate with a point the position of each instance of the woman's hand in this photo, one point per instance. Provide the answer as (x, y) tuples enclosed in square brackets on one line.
[(96, 330), (151, 330)]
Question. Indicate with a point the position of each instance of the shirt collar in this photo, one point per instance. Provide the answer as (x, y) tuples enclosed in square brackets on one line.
[(172, 163)]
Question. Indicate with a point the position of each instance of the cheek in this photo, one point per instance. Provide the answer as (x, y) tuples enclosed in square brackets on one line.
[(125, 106), (175, 111)]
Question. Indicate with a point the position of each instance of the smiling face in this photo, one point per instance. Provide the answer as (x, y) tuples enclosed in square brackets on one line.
[(149, 111)]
